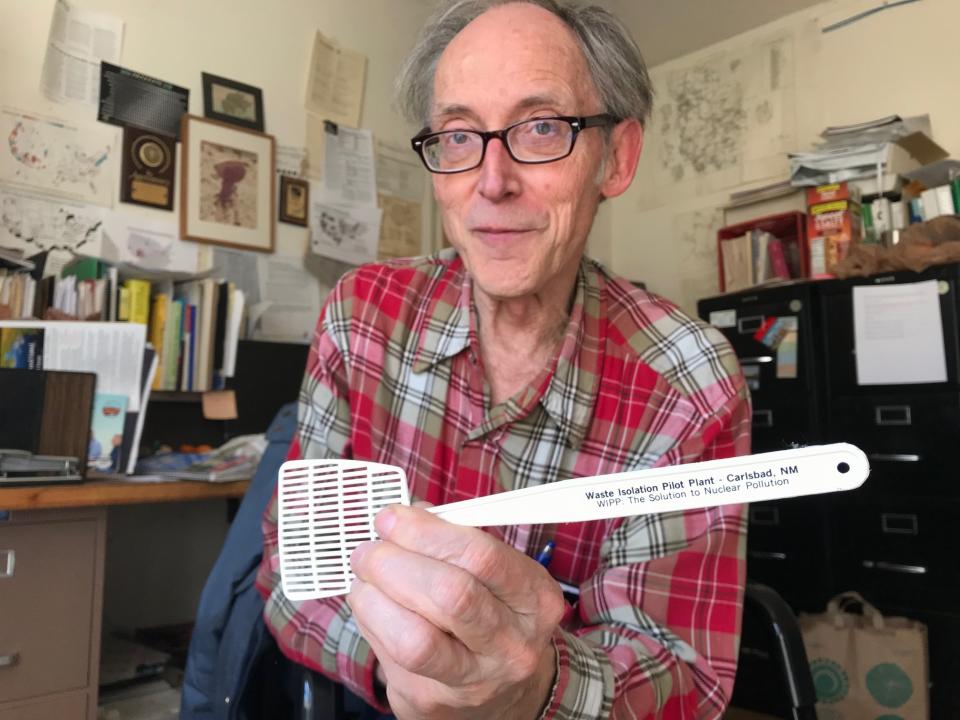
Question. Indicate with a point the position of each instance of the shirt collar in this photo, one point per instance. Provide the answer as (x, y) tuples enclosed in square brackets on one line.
[(570, 394), (444, 326), (570, 397)]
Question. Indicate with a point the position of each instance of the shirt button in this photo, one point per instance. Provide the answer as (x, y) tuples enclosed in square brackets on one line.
[(227, 699)]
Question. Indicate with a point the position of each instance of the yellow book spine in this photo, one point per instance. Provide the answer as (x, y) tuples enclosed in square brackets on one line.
[(139, 300)]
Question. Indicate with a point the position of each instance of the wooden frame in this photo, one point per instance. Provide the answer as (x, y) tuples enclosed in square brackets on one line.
[(227, 185), (232, 102), (294, 200)]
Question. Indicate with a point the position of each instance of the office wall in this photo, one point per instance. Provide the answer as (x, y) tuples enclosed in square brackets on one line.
[(901, 61), (264, 44)]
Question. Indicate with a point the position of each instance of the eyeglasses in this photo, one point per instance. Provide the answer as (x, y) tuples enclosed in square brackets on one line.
[(540, 140)]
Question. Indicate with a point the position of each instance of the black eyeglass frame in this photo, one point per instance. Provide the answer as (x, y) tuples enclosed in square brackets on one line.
[(576, 125)]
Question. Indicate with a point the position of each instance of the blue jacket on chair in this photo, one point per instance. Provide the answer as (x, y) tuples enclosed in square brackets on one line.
[(229, 631)]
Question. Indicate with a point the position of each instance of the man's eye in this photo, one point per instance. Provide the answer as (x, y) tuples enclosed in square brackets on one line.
[(458, 138), (544, 127)]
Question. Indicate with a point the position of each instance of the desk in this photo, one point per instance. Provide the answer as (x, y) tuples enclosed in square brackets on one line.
[(51, 589)]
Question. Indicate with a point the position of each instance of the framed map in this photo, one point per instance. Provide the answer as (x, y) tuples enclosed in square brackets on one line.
[(227, 185)]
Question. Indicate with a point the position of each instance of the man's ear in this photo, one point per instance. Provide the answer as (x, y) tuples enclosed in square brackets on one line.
[(623, 154)]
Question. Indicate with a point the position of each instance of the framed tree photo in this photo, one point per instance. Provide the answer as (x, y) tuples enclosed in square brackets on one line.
[(294, 200), (232, 102), (227, 187)]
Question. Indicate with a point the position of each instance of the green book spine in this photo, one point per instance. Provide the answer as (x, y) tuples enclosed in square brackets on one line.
[(955, 190)]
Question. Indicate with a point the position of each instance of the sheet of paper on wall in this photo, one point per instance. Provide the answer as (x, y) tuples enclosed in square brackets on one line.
[(401, 227), (336, 81), (78, 41), (348, 233), (399, 173), (147, 242), (342, 160), (34, 223), (291, 160), (288, 301), (54, 157), (114, 351), (898, 334)]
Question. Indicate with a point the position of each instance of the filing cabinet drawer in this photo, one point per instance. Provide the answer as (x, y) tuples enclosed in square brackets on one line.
[(787, 549), (49, 592), (900, 553), (900, 431), (67, 706), (783, 419)]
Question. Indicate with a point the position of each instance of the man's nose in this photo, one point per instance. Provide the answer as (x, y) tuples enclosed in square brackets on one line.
[(498, 173)]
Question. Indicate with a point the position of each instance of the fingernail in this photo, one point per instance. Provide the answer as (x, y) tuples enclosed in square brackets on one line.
[(385, 521), (359, 552)]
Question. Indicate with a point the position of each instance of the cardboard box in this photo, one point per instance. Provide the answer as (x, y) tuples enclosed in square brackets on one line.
[(830, 193), (838, 217)]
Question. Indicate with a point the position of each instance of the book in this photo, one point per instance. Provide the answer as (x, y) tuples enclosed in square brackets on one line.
[(945, 200), (139, 300), (21, 348), (133, 424), (106, 431), (779, 267), (737, 254)]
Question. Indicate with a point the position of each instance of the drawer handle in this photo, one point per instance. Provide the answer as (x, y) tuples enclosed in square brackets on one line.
[(7, 558), (749, 324), (899, 524), (763, 418), (766, 555), (892, 415), (758, 360), (9, 660), (895, 567), (895, 457), (765, 515)]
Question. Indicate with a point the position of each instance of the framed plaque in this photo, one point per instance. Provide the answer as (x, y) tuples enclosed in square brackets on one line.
[(149, 168), (294, 200)]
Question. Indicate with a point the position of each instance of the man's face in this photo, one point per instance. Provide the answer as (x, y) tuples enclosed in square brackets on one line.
[(517, 227)]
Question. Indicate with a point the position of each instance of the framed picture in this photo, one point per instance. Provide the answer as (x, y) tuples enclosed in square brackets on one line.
[(227, 188), (232, 102), (294, 200)]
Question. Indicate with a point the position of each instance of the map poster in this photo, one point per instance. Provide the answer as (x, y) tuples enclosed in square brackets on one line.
[(34, 223), (53, 157)]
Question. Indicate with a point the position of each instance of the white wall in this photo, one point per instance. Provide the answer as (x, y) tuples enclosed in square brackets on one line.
[(902, 61)]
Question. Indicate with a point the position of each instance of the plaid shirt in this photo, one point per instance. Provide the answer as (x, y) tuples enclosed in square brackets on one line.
[(394, 376)]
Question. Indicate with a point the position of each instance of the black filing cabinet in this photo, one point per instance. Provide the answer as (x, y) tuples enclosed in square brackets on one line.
[(787, 544), (892, 540)]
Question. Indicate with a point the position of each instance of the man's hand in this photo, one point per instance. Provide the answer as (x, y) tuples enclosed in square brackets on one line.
[(460, 622)]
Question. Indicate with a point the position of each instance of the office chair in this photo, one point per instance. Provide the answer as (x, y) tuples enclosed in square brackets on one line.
[(773, 675)]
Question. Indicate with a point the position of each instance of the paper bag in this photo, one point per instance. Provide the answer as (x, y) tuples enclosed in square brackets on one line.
[(866, 666)]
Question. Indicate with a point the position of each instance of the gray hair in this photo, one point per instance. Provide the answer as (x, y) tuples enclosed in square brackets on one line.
[(613, 58)]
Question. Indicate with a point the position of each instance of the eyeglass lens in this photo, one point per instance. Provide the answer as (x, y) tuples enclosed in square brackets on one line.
[(537, 140)]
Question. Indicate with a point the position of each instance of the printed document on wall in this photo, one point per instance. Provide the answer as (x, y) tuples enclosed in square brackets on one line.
[(335, 85), (342, 159), (898, 334), (348, 233), (288, 301), (78, 41)]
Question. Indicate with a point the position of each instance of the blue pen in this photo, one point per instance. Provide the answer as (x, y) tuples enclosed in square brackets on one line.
[(546, 555)]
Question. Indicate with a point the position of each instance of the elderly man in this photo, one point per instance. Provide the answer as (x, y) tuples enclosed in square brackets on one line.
[(513, 361)]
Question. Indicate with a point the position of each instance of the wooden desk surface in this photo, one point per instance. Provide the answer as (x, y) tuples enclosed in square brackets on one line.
[(113, 492)]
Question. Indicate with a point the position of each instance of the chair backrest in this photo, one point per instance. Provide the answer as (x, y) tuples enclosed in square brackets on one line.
[(773, 675)]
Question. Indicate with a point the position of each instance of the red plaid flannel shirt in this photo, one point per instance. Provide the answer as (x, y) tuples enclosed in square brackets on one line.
[(394, 376)]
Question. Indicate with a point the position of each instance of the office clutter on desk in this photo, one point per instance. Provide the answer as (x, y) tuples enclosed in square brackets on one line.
[(234, 460)]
